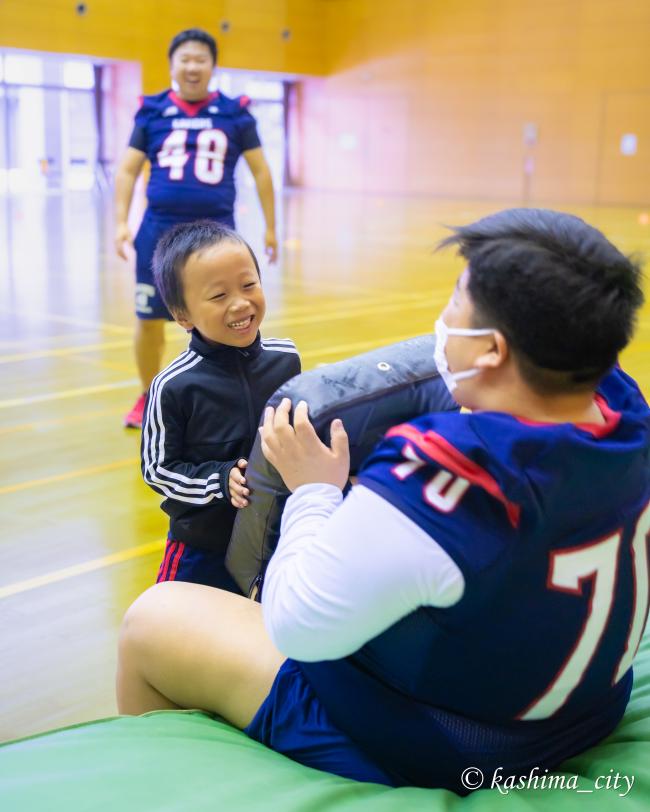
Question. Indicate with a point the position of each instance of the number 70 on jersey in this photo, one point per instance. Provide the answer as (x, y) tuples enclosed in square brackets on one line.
[(569, 569)]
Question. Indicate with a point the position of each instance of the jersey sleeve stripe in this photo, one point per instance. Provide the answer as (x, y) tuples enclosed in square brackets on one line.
[(437, 448)]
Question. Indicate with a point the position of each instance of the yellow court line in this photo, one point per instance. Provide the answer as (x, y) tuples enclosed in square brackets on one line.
[(342, 313), (69, 393), (318, 314), (375, 344), (30, 356), (97, 469), (92, 325), (66, 420), (81, 569), (52, 340), (115, 558), (323, 352), (634, 347), (125, 555), (48, 480), (296, 304), (98, 363)]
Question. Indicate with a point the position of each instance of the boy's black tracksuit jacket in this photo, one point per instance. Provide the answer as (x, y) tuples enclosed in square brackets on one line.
[(201, 416)]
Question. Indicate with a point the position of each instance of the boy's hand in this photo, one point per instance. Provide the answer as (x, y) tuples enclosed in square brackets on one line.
[(237, 485), (297, 452)]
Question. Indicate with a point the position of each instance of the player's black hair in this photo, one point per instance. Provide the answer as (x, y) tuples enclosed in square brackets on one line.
[(194, 35), (174, 249), (564, 297)]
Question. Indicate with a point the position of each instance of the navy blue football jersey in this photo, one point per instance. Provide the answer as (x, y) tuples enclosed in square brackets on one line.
[(193, 148), (549, 524)]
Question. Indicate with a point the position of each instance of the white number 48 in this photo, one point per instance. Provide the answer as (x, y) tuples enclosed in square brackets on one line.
[(211, 148)]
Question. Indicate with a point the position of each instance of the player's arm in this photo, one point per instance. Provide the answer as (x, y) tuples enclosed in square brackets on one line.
[(125, 178), (166, 471), (341, 575), (264, 183)]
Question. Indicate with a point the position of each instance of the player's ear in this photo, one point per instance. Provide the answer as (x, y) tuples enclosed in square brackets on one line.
[(497, 355), (181, 318)]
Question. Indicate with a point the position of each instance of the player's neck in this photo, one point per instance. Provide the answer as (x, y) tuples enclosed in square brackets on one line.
[(192, 100), (565, 411), (521, 401)]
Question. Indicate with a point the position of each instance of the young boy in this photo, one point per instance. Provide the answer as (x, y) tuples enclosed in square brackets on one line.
[(203, 410)]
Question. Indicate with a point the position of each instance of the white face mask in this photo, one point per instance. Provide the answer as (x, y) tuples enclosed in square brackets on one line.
[(442, 333)]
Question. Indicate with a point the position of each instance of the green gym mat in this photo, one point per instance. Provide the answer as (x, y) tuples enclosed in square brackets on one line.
[(172, 761)]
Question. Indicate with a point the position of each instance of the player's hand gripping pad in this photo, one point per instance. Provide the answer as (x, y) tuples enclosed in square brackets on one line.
[(370, 393)]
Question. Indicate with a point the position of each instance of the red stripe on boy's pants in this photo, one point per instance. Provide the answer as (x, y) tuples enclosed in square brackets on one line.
[(177, 561), (162, 572)]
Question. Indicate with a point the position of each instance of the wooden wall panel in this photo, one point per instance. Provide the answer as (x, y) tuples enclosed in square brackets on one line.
[(625, 177), (141, 31), (468, 77)]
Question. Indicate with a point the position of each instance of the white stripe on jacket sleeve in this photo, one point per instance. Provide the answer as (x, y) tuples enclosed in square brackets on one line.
[(279, 345), (197, 490)]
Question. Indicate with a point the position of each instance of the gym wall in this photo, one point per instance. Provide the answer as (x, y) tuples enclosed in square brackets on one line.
[(433, 97), (141, 30), (511, 100)]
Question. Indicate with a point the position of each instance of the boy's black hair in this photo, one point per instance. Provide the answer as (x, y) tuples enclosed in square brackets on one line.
[(194, 35), (563, 296), (176, 246)]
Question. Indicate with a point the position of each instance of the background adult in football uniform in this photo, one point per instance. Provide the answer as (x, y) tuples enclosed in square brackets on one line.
[(193, 140)]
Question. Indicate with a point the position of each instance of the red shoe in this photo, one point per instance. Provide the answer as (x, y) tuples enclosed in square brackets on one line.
[(133, 420)]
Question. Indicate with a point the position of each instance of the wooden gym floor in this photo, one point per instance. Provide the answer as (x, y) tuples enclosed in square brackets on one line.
[(82, 535)]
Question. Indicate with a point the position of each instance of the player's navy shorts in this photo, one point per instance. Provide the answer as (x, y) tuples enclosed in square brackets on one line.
[(292, 721), (148, 302), (182, 562)]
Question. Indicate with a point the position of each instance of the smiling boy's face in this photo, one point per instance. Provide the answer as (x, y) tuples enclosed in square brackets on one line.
[(223, 295)]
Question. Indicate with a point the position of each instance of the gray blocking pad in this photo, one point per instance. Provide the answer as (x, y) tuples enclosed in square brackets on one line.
[(370, 393)]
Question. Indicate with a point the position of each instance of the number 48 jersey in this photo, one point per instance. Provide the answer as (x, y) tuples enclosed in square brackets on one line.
[(193, 148), (549, 525)]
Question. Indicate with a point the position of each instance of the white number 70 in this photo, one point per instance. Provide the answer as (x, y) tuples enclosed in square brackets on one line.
[(568, 570)]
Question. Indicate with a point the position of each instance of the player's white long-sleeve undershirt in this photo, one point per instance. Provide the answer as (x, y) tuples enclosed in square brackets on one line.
[(346, 570)]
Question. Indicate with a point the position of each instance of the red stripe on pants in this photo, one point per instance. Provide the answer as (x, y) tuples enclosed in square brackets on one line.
[(177, 561), (164, 567)]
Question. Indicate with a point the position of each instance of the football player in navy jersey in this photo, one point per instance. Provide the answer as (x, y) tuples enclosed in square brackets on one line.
[(193, 140), (477, 599)]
